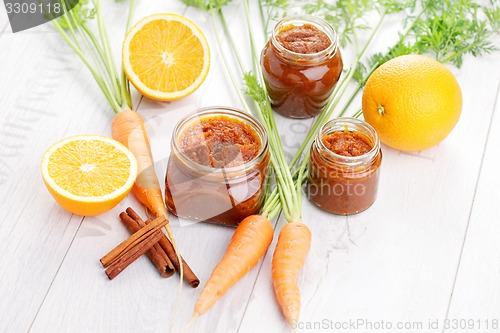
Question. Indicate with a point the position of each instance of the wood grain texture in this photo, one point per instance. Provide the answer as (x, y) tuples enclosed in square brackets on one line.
[(476, 295), (4, 20), (3, 27), (35, 232)]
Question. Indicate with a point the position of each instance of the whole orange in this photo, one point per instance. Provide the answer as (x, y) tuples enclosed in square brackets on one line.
[(412, 101)]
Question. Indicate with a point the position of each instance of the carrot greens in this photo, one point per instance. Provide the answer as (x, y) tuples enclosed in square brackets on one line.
[(289, 255), (447, 30), (271, 11), (94, 50), (128, 126)]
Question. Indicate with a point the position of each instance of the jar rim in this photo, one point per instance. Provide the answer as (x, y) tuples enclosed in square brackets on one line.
[(319, 23), (220, 110), (361, 125)]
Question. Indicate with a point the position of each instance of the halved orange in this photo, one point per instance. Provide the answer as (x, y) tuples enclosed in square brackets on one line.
[(88, 174), (166, 56)]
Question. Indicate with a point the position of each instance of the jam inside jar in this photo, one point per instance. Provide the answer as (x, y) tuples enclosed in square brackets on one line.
[(345, 167), (301, 65), (217, 166)]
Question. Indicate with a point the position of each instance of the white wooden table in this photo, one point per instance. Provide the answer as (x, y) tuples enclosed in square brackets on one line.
[(427, 251)]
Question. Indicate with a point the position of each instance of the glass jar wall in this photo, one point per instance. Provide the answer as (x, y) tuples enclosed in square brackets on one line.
[(217, 167), (301, 64), (345, 166)]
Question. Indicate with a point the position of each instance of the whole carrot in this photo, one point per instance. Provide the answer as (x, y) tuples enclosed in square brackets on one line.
[(295, 241), (248, 245), (289, 256), (128, 128)]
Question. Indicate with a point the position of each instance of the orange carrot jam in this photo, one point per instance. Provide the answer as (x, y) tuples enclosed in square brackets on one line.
[(220, 141), (304, 39), (347, 143), (217, 167), (345, 167), (301, 64)]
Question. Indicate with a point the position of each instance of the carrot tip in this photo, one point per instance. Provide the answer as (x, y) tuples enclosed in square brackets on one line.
[(195, 316)]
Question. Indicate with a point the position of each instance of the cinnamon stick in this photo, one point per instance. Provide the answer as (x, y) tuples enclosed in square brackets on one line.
[(167, 246), (134, 240), (156, 254), (135, 252)]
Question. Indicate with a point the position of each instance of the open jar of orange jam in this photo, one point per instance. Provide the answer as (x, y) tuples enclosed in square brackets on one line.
[(217, 167), (345, 166), (301, 64)]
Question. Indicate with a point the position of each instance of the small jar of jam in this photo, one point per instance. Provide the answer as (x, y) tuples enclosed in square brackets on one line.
[(301, 64), (217, 167), (345, 166)]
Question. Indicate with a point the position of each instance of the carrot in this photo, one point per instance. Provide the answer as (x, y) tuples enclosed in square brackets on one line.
[(248, 245), (295, 238), (289, 256), (128, 128)]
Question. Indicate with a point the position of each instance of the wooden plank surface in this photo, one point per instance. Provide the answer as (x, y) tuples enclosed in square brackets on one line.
[(43, 88), (475, 302), (4, 20), (433, 231), (3, 26)]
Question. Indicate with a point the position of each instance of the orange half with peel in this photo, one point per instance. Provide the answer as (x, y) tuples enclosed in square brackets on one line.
[(89, 174), (166, 56)]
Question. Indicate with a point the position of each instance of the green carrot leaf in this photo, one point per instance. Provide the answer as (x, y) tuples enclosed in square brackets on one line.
[(254, 89), (81, 12), (452, 29), (206, 4), (360, 74), (493, 15), (396, 6)]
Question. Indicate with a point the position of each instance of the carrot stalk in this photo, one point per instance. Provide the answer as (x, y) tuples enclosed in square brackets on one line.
[(248, 245), (288, 194), (289, 256), (294, 240), (128, 126)]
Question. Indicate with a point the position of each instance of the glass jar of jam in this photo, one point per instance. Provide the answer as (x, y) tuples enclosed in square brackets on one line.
[(301, 64), (217, 166), (345, 166)]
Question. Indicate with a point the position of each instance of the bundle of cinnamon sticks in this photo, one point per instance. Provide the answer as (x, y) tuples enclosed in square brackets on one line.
[(147, 238)]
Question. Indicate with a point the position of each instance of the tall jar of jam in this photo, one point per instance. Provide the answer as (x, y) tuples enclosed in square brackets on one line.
[(301, 64), (217, 166), (345, 166)]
